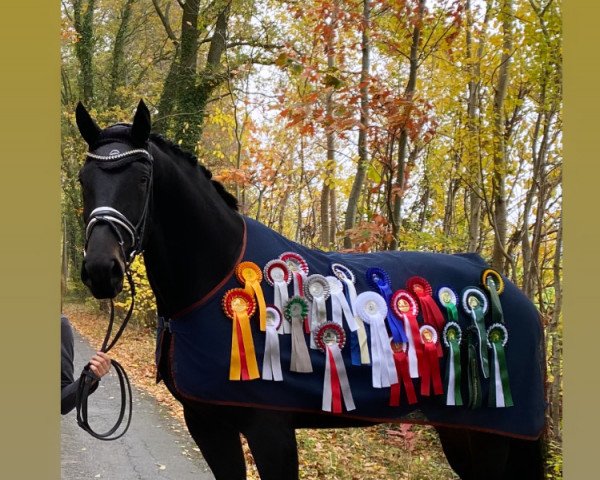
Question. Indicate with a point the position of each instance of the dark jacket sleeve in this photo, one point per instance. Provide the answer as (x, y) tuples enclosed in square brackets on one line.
[(68, 384)]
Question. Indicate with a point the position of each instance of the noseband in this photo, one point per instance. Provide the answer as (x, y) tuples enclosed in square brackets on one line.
[(117, 221)]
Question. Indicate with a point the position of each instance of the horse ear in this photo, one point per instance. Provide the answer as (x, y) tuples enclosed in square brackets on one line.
[(88, 128), (140, 130)]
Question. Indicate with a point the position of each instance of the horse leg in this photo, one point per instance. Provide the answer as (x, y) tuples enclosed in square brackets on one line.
[(526, 459), (218, 441), (489, 456), (455, 443), (272, 440)]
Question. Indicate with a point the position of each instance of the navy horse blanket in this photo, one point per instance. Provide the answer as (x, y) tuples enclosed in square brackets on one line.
[(201, 345)]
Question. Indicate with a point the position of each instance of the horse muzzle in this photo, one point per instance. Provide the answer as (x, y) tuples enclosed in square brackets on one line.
[(103, 267)]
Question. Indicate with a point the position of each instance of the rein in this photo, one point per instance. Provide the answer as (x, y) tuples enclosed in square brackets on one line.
[(135, 234)]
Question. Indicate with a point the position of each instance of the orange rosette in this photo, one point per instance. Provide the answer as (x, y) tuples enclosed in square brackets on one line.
[(239, 305), (250, 275)]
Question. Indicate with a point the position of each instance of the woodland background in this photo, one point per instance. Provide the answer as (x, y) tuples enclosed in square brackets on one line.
[(356, 124)]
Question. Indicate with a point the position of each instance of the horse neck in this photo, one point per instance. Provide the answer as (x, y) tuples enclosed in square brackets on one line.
[(194, 237)]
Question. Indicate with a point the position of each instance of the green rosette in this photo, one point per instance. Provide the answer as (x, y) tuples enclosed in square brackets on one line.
[(452, 336), (449, 300), (500, 394), (296, 307)]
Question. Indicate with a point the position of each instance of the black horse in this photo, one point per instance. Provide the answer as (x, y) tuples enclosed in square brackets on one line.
[(142, 192)]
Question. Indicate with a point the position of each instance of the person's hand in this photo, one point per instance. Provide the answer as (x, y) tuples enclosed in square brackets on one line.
[(100, 364)]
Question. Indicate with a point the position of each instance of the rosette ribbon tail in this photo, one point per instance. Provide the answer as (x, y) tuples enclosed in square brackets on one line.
[(318, 315), (473, 370), (453, 375), (335, 384), (243, 357), (300, 360), (496, 306), (384, 369), (415, 345), (401, 361), (280, 298), (431, 371), (500, 394), (359, 344), (272, 361), (478, 318), (254, 288)]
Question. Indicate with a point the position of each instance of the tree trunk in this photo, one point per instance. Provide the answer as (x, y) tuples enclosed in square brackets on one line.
[(117, 74), (83, 21), (499, 200), (363, 154), (403, 140)]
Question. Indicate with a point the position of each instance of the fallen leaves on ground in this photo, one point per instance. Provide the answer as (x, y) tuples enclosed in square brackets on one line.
[(382, 452)]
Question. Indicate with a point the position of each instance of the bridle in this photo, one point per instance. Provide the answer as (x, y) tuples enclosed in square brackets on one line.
[(135, 234)]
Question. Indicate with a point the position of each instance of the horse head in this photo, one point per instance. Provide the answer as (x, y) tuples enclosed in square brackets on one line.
[(116, 181)]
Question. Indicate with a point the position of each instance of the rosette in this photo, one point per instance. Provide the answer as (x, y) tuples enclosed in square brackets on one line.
[(372, 308), (239, 305), (430, 373), (380, 281), (278, 276), (405, 307), (359, 348), (500, 394), (316, 290), (299, 270), (250, 275), (492, 281), (452, 336), (449, 300), (432, 315), (475, 304), (295, 312), (401, 362), (271, 369), (330, 338)]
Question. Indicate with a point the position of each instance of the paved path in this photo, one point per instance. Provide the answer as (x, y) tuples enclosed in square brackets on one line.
[(156, 446)]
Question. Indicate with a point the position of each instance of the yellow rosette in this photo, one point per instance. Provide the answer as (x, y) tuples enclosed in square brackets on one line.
[(250, 275)]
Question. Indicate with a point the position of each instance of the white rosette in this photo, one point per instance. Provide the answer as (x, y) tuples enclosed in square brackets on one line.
[(272, 360), (372, 308), (278, 276), (316, 290), (345, 275)]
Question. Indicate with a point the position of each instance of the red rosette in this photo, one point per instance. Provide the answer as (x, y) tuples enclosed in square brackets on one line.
[(328, 334), (294, 261), (419, 286), (237, 299), (275, 269), (402, 302)]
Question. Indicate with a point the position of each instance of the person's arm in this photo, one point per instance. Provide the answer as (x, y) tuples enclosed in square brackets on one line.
[(99, 365), (68, 385)]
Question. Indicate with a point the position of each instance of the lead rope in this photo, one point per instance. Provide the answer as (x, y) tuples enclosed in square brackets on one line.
[(88, 378)]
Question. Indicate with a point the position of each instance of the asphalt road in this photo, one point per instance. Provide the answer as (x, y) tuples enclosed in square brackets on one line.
[(156, 446)]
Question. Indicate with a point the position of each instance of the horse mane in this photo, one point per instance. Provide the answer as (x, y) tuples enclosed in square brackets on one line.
[(192, 159)]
